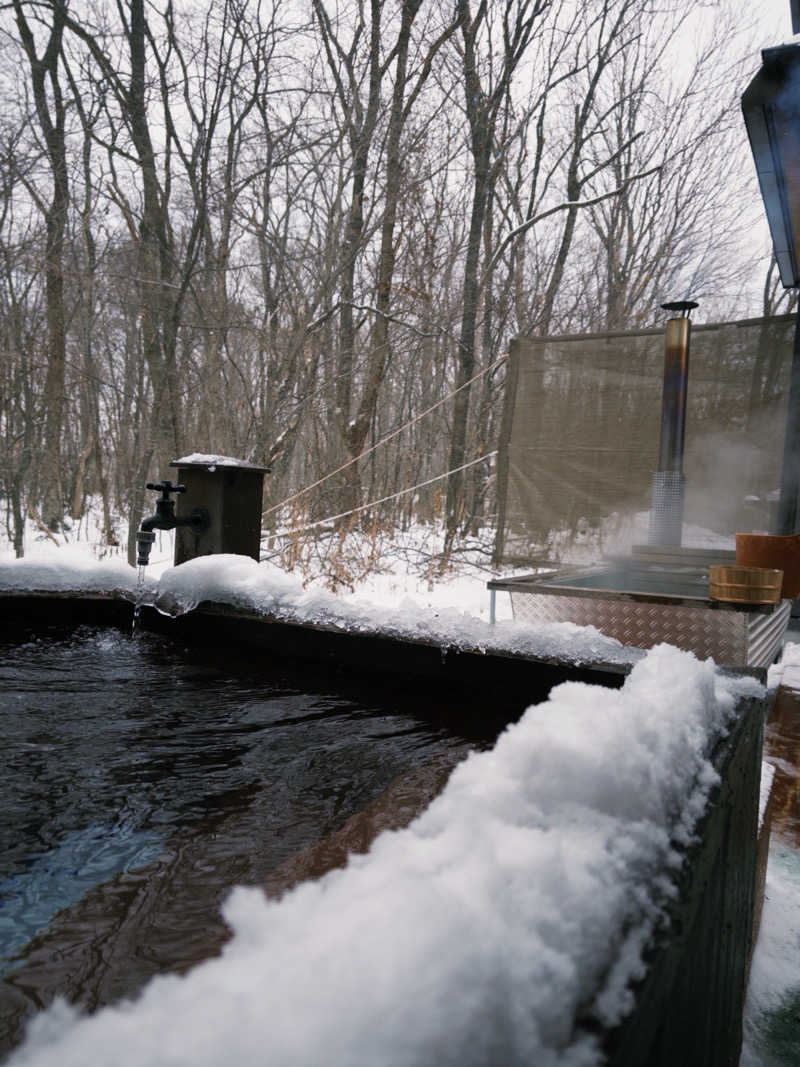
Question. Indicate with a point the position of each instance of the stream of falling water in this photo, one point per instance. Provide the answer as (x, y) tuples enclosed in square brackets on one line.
[(137, 607)]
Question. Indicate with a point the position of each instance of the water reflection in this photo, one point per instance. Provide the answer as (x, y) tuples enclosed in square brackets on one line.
[(782, 744)]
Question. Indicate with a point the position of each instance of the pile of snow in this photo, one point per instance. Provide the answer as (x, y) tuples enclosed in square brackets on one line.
[(213, 461), (517, 904), (61, 570), (260, 587), (243, 583), (786, 671)]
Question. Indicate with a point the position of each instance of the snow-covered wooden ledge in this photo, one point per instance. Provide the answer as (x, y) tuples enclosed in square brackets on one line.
[(264, 590), (234, 600)]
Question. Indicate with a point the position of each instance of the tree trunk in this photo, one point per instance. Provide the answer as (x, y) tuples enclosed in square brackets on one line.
[(51, 115)]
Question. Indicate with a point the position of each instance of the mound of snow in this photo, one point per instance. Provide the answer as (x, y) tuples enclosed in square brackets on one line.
[(212, 461), (262, 587), (61, 569)]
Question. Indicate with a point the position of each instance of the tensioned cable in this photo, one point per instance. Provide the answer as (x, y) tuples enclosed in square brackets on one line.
[(374, 503), (383, 440)]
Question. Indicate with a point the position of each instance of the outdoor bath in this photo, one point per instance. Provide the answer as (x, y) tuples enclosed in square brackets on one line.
[(528, 913)]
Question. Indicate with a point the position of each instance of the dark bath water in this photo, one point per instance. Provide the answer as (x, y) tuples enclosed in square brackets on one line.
[(142, 780)]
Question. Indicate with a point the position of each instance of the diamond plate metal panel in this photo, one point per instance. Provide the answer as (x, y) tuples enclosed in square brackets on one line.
[(765, 635), (722, 635)]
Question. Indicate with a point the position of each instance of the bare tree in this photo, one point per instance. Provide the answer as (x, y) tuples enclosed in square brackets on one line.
[(404, 97), (288, 236), (21, 315), (485, 94), (671, 232), (51, 110)]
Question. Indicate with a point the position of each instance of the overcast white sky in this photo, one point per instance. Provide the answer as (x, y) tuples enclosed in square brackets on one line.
[(774, 17)]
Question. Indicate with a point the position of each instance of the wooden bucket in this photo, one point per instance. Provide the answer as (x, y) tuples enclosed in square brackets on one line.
[(745, 585)]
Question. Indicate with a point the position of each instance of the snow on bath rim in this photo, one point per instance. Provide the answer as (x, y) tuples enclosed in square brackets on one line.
[(519, 901), (264, 588), (67, 569)]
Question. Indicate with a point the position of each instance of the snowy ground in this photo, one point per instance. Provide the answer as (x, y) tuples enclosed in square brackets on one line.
[(458, 597)]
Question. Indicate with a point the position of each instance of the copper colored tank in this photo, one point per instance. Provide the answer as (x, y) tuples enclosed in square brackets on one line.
[(772, 550)]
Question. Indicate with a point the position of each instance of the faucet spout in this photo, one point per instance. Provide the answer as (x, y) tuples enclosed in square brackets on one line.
[(144, 542), (166, 519)]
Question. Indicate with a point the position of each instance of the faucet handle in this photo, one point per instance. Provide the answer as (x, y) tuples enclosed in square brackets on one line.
[(165, 488)]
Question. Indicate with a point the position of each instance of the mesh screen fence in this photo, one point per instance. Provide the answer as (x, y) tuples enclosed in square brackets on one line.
[(580, 437)]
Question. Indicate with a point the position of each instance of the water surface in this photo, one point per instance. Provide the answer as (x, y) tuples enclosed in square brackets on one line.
[(143, 780)]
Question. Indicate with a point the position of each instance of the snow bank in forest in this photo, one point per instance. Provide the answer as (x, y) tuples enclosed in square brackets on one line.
[(519, 901)]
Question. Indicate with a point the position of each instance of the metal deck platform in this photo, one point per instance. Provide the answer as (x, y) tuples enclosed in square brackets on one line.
[(644, 603)]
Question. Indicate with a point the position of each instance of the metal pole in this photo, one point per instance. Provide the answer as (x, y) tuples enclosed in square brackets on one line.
[(787, 520), (673, 407), (666, 511)]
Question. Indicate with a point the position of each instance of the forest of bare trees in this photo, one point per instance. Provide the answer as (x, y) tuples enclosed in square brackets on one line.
[(281, 231)]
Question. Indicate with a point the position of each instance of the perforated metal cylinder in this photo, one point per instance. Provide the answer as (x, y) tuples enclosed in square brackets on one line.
[(666, 509)]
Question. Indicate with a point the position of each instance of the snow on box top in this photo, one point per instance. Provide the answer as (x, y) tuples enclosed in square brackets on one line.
[(201, 459)]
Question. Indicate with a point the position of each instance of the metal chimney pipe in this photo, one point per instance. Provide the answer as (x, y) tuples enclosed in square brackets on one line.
[(666, 512)]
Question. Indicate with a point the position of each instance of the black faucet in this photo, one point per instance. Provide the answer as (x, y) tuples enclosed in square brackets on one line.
[(166, 519)]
